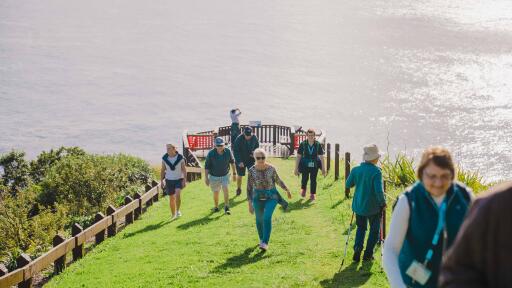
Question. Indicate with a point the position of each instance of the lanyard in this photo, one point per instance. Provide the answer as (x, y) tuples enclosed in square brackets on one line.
[(440, 226), (311, 149)]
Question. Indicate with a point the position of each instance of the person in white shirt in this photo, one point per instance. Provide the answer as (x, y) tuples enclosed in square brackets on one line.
[(174, 172)]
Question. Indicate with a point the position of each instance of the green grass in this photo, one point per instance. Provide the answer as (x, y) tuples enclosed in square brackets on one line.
[(213, 250)]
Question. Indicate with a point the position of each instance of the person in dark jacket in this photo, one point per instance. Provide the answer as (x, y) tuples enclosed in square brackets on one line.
[(310, 159), (234, 114), (482, 252), (368, 201), (425, 222), (243, 150)]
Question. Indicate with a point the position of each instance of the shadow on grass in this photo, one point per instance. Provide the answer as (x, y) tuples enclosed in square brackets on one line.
[(350, 276), (147, 228), (201, 221), (338, 203), (299, 204), (234, 203), (240, 260)]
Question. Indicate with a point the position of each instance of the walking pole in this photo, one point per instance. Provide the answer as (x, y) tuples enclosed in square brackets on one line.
[(346, 242)]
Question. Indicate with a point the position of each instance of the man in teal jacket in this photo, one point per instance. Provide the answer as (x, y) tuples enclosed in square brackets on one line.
[(368, 201)]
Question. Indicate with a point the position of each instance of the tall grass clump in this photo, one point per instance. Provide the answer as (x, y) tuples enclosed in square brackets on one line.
[(400, 171)]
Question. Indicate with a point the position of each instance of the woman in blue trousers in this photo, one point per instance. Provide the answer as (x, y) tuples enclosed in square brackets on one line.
[(262, 195)]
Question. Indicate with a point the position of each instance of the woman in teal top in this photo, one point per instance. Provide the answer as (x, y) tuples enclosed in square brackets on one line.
[(425, 222), (309, 160)]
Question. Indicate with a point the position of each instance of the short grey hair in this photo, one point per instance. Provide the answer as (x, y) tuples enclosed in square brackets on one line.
[(260, 151)]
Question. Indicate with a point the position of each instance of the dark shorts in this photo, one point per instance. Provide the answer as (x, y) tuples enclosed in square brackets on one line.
[(172, 185), (241, 171)]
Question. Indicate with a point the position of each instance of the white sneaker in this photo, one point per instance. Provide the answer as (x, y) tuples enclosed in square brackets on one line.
[(178, 214)]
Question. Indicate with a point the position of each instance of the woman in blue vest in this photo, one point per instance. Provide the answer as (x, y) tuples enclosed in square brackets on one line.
[(425, 222), (309, 161)]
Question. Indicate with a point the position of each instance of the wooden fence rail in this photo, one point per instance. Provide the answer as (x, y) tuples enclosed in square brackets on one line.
[(104, 226)]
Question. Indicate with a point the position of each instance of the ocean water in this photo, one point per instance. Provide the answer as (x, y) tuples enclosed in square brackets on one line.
[(130, 76)]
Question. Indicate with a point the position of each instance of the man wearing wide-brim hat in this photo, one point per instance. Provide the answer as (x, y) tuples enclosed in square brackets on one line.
[(368, 201)]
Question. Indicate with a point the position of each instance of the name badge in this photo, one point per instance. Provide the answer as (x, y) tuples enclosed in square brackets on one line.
[(311, 164), (418, 272)]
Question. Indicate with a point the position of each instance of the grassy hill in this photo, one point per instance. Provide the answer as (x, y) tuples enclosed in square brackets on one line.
[(202, 249)]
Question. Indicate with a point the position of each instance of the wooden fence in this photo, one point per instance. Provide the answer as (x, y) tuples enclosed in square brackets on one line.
[(104, 225)]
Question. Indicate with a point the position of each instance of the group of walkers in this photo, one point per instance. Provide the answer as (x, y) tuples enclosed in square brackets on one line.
[(425, 247)]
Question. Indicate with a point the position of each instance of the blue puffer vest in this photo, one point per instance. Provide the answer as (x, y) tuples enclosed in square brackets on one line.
[(422, 226)]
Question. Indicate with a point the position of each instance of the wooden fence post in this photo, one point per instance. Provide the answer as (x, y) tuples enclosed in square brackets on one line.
[(150, 200), (154, 183), (22, 261), (274, 132), (60, 263), (328, 157), (347, 172), (78, 251), (138, 211), (336, 161), (112, 229), (100, 236), (3, 270), (128, 219)]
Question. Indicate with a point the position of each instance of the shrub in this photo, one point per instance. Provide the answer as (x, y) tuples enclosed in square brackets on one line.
[(89, 183), (16, 170), (24, 232)]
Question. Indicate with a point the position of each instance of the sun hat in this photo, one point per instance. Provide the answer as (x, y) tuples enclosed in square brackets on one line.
[(371, 152), (219, 141)]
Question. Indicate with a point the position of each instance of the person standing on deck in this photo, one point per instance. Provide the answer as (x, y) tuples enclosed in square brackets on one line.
[(243, 149), (309, 161), (262, 195), (235, 124), (368, 202), (174, 172), (216, 168)]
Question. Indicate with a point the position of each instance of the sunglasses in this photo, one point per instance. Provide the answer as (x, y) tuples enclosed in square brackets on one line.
[(260, 158)]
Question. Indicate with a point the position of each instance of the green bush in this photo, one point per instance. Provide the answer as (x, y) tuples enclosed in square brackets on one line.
[(89, 183), (24, 232), (60, 187), (40, 166), (16, 172)]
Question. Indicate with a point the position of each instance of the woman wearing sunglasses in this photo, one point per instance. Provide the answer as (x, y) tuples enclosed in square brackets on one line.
[(425, 222), (262, 195)]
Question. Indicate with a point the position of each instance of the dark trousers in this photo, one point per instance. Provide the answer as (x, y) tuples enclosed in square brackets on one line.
[(309, 173), (235, 132), (373, 237)]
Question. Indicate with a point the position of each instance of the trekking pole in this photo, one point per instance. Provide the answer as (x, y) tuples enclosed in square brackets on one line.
[(346, 242)]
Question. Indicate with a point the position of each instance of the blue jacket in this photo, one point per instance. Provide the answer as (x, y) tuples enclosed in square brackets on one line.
[(424, 215), (369, 195)]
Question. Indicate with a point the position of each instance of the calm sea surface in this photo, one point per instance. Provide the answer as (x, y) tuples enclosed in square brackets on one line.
[(129, 76)]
